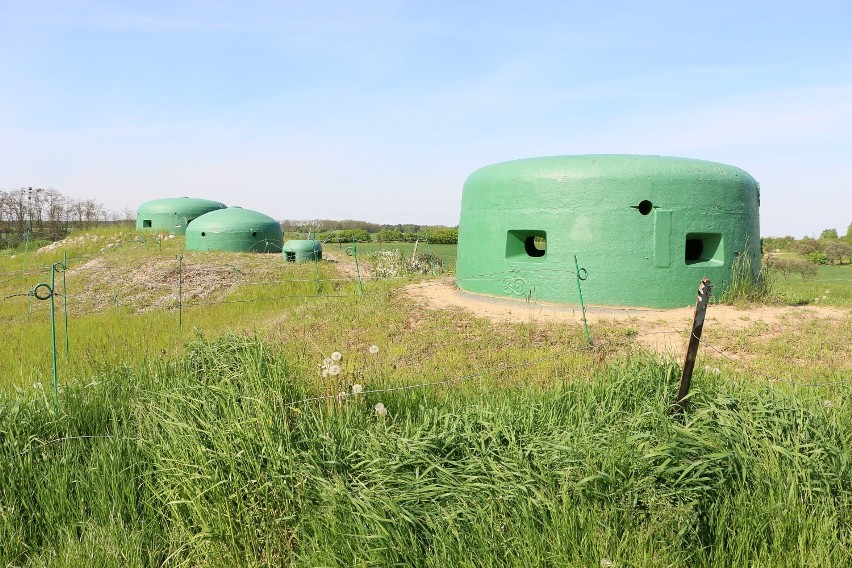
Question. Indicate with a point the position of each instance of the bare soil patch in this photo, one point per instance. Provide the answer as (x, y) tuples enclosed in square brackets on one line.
[(662, 331), (154, 284)]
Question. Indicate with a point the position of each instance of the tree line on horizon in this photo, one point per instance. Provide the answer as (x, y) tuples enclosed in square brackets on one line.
[(349, 230), (787, 255), (36, 213)]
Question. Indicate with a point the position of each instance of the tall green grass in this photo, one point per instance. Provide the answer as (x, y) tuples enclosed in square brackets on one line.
[(749, 284), (205, 460)]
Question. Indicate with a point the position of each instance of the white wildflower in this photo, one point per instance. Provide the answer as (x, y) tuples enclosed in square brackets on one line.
[(357, 389), (380, 409), (334, 370), (38, 386), (374, 349), (341, 396), (336, 356)]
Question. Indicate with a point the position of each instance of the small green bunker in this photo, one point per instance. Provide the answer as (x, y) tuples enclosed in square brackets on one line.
[(235, 230), (302, 250), (173, 214), (646, 229)]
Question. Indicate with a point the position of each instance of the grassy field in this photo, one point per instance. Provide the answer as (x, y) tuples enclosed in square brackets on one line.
[(447, 253), (832, 286), (222, 442)]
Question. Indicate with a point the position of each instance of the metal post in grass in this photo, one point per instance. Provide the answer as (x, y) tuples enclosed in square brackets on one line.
[(582, 275), (26, 248), (180, 291), (317, 272), (353, 251), (65, 305), (681, 402), (46, 291)]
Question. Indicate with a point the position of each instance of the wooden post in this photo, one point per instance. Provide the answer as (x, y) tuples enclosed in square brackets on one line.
[(704, 288)]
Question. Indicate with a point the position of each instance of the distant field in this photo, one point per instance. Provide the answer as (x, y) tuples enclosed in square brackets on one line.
[(832, 286), (447, 253)]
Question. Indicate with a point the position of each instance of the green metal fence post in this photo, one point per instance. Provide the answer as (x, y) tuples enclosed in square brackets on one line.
[(580, 277), (317, 272), (65, 305), (180, 291), (357, 268)]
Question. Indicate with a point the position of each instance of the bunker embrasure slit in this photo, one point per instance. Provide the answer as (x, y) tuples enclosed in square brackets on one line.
[(704, 249), (146, 224)]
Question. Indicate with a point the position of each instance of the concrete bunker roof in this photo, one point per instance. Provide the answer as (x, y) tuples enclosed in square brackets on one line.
[(232, 218), (302, 245), (173, 204), (611, 166)]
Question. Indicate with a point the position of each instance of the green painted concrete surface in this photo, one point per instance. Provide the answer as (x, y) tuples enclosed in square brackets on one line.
[(173, 214), (302, 250), (235, 230), (645, 228)]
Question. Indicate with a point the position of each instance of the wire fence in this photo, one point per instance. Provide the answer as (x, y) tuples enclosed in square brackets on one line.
[(176, 294)]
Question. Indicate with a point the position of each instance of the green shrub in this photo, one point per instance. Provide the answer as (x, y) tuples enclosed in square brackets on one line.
[(787, 266), (392, 264), (444, 236), (817, 257)]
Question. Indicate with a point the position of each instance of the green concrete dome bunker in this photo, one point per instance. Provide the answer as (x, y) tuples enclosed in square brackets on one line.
[(645, 228), (235, 230), (173, 214), (302, 250)]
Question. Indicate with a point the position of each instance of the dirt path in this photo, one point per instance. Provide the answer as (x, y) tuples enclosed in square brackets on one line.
[(660, 330)]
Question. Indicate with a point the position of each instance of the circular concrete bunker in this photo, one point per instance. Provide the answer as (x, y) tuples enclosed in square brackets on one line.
[(302, 250), (645, 228), (235, 230), (173, 214)]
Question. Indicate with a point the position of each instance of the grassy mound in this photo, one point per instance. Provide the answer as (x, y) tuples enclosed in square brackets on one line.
[(206, 460)]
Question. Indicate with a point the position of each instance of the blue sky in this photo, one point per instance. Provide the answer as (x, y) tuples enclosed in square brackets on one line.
[(380, 110)]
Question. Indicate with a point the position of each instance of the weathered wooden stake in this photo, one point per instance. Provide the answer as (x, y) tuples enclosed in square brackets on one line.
[(704, 288)]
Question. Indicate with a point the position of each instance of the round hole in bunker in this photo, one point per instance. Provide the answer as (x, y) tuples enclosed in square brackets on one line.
[(203, 234), (254, 233), (645, 207), (535, 248)]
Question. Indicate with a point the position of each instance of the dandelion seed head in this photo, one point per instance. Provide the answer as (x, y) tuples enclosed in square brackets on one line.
[(380, 409), (341, 396), (828, 404), (334, 370), (324, 373), (357, 389), (606, 563), (326, 361), (336, 356), (374, 349)]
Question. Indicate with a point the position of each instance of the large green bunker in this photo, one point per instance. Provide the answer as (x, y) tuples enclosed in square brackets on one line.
[(173, 214), (235, 230), (646, 229)]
